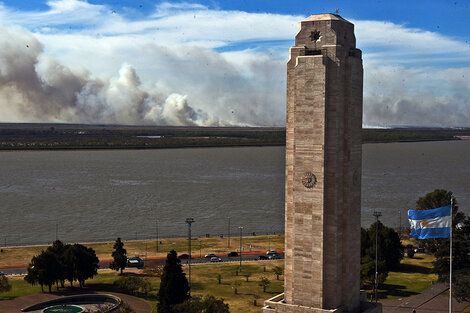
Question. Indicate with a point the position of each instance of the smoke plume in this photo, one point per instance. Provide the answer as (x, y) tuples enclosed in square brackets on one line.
[(35, 87)]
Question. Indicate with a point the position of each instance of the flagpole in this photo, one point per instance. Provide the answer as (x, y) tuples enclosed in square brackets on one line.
[(450, 263)]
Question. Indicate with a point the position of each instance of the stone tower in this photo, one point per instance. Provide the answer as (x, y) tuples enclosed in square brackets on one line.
[(323, 170)]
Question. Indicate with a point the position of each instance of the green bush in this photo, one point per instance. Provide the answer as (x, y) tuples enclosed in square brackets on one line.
[(133, 284)]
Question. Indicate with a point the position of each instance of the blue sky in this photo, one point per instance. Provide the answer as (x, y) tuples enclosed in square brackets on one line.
[(222, 62)]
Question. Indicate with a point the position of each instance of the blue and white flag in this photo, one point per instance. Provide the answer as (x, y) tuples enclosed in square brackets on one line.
[(434, 223)]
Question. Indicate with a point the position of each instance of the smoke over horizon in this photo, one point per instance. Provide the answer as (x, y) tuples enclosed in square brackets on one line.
[(109, 81), (38, 88)]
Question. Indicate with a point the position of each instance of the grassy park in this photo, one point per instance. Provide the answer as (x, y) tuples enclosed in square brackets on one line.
[(412, 277)]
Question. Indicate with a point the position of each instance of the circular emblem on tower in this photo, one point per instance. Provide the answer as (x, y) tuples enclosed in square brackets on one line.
[(309, 180)]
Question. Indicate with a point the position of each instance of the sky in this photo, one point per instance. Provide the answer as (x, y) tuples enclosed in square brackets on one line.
[(222, 63)]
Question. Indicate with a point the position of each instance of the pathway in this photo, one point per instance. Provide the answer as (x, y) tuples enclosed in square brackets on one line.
[(429, 301)]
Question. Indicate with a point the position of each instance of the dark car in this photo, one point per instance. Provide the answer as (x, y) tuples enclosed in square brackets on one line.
[(135, 262), (233, 253), (262, 257), (183, 256), (274, 256)]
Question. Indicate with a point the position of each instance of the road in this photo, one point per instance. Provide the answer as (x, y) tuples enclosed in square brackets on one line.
[(194, 260)]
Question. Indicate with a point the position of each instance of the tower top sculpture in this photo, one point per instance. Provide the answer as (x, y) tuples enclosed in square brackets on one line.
[(323, 170)]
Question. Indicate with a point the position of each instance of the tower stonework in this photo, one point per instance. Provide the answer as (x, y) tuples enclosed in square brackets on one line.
[(323, 170)]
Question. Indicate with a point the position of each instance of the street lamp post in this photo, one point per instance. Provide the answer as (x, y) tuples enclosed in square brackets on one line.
[(241, 230), (156, 232), (189, 221), (228, 233), (377, 215)]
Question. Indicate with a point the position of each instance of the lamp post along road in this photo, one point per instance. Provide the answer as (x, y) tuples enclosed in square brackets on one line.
[(377, 215), (241, 230), (228, 233), (189, 221), (156, 232)]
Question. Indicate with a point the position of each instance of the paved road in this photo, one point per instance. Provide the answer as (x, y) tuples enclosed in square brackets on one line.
[(104, 265)]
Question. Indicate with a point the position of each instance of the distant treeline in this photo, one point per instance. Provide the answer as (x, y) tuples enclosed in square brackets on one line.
[(71, 136)]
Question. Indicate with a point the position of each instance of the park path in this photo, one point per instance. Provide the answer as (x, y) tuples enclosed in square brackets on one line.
[(429, 301)]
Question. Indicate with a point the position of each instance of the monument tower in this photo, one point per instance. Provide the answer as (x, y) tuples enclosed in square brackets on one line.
[(323, 170)]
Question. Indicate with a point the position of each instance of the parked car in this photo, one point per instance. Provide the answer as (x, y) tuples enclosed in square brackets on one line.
[(216, 259), (183, 256), (271, 252), (274, 256), (135, 262), (210, 255), (233, 253), (262, 257)]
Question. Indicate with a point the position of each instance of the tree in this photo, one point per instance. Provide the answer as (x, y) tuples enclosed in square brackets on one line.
[(119, 255), (208, 304), (58, 250), (264, 282), (81, 263), (460, 243), (4, 285), (368, 270), (460, 236), (60, 262), (436, 199), (462, 285), (174, 286), (237, 284), (389, 252), (43, 270), (278, 271)]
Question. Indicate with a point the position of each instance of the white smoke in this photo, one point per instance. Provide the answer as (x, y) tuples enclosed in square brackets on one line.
[(35, 87)]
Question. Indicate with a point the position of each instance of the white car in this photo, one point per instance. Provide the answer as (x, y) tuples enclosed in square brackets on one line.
[(210, 255), (271, 252), (216, 259)]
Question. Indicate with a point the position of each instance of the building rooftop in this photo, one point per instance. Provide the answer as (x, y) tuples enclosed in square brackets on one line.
[(325, 17)]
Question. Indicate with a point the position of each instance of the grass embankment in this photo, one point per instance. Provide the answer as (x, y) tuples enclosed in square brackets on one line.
[(147, 248)]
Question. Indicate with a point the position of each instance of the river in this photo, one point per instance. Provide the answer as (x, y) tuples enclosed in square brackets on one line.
[(89, 195)]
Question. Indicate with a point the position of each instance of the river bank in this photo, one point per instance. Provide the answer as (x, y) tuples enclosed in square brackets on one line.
[(104, 137), (20, 256)]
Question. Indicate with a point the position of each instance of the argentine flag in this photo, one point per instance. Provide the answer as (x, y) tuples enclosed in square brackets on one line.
[(434, 223)]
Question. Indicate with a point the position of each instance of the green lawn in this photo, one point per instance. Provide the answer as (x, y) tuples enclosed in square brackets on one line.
[(412, 277)]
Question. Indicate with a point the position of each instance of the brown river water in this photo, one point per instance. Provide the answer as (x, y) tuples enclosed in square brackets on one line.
[(87, 195)]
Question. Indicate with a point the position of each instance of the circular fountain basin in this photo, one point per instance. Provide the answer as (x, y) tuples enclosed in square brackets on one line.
[(64, 308)]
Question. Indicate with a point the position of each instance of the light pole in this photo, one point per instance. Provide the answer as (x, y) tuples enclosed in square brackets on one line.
[(200, 249), (156, 232), (269, 237), (241, 230), (189, 221), (228, 233), (377, 215)]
